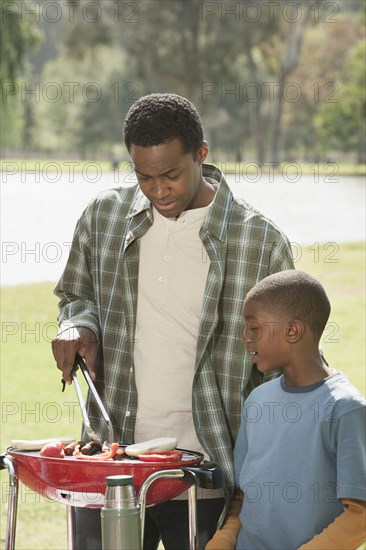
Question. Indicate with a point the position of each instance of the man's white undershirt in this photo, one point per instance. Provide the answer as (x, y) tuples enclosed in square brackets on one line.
[(172, 275), (173, 270)]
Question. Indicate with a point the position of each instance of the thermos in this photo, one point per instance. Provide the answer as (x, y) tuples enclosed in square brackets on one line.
[(120, 516)]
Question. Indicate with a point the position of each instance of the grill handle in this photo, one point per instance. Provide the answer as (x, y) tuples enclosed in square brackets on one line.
[(207, 476), (2, 461)]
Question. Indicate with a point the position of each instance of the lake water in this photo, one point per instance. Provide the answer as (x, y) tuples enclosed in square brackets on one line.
[(39, 212)]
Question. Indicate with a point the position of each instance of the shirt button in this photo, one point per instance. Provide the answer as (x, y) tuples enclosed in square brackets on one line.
[(167, 258), (128, 413), (162, 280)]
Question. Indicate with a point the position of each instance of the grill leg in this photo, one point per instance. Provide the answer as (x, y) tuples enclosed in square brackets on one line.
[(192, 517), (70, 518), (12, 504), (144, 489), (192, 502)]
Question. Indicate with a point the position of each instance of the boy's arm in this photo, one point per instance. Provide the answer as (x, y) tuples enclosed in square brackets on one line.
[(346, 532), (225, 538)]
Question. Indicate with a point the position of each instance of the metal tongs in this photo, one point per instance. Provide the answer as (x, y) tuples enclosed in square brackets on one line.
[(79, 362)]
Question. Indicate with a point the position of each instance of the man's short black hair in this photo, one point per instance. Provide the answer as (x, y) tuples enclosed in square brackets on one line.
[(295, 294), (159, 118)]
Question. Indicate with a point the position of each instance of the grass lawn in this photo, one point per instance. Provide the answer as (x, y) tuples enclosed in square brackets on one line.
[(33, 407)]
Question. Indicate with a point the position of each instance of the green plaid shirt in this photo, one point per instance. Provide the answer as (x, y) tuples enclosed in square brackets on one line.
[(98, 289)]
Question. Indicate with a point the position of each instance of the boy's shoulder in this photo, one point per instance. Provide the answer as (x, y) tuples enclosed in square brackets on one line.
[(270, 388), (336, 389), (345, 394)]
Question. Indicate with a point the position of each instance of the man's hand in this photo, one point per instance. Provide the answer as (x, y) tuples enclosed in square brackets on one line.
[(71, 341)]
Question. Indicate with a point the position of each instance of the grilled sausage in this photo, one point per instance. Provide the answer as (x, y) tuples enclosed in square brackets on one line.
[(69, 449), (91, 448)]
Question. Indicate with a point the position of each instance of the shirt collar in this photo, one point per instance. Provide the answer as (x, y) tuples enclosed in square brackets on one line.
[(139, 204), (217, 217)]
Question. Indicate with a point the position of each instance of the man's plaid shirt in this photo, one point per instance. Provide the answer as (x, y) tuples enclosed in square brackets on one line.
[(98, 289)]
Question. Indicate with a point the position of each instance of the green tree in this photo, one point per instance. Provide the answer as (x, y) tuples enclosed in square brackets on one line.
[(205, 51), (88, 26), (291, 39), (323, 77), (84, 113), (342, 124), (180, 45), (18, 37)]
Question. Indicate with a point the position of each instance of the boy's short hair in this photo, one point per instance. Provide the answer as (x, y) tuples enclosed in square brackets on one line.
[(158, 118), (295, 294)]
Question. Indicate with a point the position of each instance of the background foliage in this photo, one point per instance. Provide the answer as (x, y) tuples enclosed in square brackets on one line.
[(273, 80)]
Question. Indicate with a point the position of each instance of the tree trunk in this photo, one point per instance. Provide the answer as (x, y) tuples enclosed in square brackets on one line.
[(255, 112), (294, 35)]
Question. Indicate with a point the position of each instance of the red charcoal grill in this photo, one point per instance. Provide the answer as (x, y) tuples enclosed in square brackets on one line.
[(73, 482), (76, 482)]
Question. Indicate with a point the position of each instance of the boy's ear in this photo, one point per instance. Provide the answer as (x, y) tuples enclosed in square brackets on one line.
[(294, 331)]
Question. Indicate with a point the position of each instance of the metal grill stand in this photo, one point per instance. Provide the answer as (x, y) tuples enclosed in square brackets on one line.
[(7, 462), (208, 475)]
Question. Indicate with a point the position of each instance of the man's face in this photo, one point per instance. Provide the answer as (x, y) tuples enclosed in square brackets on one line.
[(169, 178)]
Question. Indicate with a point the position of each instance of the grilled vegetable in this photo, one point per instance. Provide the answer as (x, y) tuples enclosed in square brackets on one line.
[(37, 444), (53, 450), (165, 456), (101, 456), (120, 454), (152, 445)]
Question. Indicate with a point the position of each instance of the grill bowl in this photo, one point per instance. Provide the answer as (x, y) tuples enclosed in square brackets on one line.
[(81, 482)]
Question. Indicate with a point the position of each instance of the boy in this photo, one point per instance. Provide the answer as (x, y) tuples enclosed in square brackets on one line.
[(300, 454)]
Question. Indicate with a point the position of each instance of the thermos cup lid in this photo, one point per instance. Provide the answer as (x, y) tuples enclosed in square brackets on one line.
[(113, 481)]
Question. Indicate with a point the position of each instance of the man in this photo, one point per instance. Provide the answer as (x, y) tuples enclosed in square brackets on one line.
[(151, 297)]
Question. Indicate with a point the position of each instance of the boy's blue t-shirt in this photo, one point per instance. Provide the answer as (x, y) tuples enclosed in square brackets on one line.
[(299, 450)]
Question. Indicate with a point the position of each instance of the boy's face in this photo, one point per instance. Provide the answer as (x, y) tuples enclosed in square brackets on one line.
[(264, 336), (169, 178)]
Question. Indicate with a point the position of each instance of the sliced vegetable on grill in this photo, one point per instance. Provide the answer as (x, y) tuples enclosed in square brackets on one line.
[(164, 456)]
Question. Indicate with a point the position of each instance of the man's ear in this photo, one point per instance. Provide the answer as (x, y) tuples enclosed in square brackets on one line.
[(202, 152), (294, 331)]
